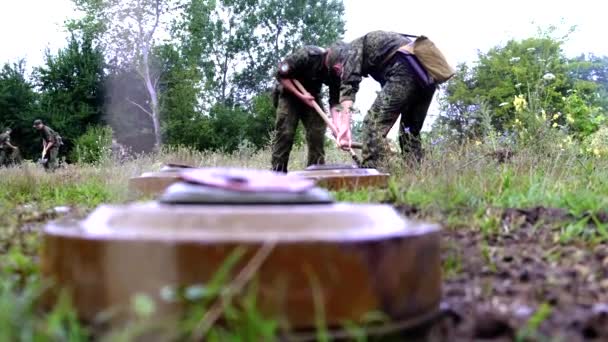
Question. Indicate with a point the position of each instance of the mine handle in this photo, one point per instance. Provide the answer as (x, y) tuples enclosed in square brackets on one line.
[(324, 116)]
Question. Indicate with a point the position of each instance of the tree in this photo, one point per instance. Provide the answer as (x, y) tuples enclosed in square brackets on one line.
[(228, 51), (131, 34), (527, 77), (18, 102), (250, 37), (72, 87)]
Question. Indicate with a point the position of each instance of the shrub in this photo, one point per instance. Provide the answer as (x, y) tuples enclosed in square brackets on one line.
[(94, 146)]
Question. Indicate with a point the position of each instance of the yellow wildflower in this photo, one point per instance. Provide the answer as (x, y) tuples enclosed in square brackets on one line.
[(596, 152), (477, 142), (570, 118), (554, 124), (556, 116), (520, 103)]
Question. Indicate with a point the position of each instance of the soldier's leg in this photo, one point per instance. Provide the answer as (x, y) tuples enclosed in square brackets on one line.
[(383, 114), (315, 135), (52, 161), (285, 130), (412, 120), (3, 157)]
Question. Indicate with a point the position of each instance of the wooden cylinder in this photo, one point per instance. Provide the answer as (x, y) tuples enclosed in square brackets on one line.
[(153, 183), (345, 179), (353, 259)]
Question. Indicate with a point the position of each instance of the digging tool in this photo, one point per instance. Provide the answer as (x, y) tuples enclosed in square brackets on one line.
[(42, 160), (331, 126)]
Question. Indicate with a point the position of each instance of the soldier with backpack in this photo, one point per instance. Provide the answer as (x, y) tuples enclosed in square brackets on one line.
[(408, 72), (51, 141)]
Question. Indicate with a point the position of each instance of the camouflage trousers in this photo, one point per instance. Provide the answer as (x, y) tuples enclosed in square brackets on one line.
[(4, 157), (402, 94), (51, 155), (290, 110), (7, 156)]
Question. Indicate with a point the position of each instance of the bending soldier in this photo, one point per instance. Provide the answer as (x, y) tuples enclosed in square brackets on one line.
[(312, 66), (7, 150), (50, 144), (404, 91)]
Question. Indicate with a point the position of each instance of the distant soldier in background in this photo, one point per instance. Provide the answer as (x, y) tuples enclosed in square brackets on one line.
[(312, 66), (7, 150), (51, 141)]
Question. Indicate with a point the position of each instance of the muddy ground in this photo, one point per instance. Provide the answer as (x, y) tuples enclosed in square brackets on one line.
[(520, 279)]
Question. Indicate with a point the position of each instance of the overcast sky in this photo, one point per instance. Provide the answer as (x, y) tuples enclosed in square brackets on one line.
[(459, 28)]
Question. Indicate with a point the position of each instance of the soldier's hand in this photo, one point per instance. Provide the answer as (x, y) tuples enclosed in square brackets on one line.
[(308, 99), (335, 120)]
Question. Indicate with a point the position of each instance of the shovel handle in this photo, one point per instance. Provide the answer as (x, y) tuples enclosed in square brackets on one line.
[(317, 108), (324, 116), (321, 112)]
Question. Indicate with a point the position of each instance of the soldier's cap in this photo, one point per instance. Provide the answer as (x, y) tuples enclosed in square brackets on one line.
[(37, 122), (337, 53)]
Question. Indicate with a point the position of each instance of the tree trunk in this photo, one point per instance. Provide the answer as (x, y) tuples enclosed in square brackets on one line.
[(153, 98)]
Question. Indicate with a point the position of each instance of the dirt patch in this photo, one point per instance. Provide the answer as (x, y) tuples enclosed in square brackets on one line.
[(501, 286)]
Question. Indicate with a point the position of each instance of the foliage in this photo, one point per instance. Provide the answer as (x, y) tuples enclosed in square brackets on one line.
[(18, 103), (94, 146), (524, 82), (130, 35), (72, 88), (19, 320), (216, 84)]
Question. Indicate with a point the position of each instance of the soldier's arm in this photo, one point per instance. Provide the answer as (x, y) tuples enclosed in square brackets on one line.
[(50, 137), (288, 68), (351, 77), (349, 86)]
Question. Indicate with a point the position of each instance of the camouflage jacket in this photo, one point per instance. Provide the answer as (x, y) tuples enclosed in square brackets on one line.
[(49, 135), (307, 65), (368, 56)]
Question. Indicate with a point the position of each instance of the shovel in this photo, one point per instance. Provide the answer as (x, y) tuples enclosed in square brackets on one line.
[(43, 160), (330, 124)]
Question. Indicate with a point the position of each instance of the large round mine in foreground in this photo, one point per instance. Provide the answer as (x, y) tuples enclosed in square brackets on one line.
[(353, 259), (344, 177)]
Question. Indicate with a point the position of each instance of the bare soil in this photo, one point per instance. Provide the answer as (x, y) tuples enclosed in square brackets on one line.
[(521, 283)]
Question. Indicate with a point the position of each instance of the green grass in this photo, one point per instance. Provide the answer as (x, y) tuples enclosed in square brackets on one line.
[(460, 187)]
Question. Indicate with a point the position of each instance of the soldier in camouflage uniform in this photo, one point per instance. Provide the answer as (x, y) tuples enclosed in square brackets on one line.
[(51, 141), (7, 150), (403, 92), (312, 66)]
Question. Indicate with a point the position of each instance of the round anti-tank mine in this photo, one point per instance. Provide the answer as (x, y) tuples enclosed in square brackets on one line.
[(156, 182), (353, 259), (344, 177)]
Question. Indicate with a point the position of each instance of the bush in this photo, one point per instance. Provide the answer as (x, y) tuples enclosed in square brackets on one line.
[(94, 146)]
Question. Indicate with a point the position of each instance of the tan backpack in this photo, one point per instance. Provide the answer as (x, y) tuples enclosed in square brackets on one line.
[(431, 58)]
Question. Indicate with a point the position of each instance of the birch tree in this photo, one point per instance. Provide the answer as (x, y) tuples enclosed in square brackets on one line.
[(133, 28)]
